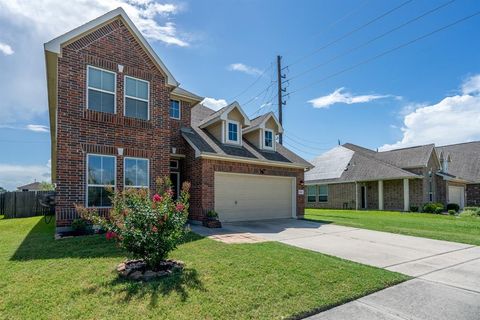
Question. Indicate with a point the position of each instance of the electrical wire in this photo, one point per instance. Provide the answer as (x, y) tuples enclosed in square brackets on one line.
[(384, 53), (304, 145)]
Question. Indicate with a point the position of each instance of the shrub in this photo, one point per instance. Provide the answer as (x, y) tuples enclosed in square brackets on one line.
[(146, 227), (413, 209), (471, 212), (453, 206), (212, 214), (433, 207), (79, 226), (452, 212)]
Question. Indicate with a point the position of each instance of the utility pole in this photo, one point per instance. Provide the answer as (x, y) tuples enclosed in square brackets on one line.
[(280, 95)]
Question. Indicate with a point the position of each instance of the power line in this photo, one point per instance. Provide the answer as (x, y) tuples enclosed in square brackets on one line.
[(346, 35), (300, 150), (304, 145), (254, 82), (403, 45), (373, 39), (258, 94), (301, 138)]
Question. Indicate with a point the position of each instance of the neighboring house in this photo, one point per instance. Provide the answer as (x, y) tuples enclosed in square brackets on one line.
[(119, 120), (353, 177), (463, 161), (34, 186)]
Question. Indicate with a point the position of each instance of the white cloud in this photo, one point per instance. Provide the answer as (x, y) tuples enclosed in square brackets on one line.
[(27, 25), (37, 128), (6, 49), (215, 104), (341, 96), (240, 67), (452, 120), (12, 176)]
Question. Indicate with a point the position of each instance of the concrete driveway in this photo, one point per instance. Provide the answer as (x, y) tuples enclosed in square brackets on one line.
[(447, 274)]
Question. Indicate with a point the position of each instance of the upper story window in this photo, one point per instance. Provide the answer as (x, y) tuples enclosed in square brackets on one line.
[(323, 193), (311, 193), (232, 132), (136, 98), (100, 180), (175, 109), (268, 139), (136, 173), (101, 86)]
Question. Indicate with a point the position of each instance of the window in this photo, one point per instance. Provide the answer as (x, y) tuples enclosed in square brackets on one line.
[(175, 109), (232, 131), (311, 193), (101, 90), (268, 143), (323, 193), (100, 180), (136, 173), (173, 164), (136, 98)]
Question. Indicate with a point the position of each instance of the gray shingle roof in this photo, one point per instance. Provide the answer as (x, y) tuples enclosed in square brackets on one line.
[(186, 93), (465, 160), (206, 143)]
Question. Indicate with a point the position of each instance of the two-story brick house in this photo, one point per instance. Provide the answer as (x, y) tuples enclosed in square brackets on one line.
[(119, 119)]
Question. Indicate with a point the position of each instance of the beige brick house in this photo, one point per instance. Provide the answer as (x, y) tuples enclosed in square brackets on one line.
[(119, 119), (353, 177)]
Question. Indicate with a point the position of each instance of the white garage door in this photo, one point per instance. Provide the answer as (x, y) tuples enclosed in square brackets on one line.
[(456, 195), (242, 197)]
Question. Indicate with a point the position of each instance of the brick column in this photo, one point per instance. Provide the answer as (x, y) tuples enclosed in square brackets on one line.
[(380, 195), (356, 196), (406, 196)]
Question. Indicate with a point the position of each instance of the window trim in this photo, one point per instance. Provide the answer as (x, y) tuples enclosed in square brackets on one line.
[(318, 193), (273, 139), (148, 173), (177, 164), (239, 132), (114, 186), (179, 109), (125, 96), (101, 90)]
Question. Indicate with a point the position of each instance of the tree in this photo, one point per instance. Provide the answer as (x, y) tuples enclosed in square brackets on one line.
[(2, 190), (46, 186)]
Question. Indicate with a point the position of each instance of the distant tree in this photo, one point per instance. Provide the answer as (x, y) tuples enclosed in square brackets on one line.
[(2, 190), (46, 186)]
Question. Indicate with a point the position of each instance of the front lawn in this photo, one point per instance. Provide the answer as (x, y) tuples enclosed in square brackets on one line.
[(435, 226), (41, 278)]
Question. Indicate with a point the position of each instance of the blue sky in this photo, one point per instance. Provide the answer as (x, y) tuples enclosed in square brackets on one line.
[(425, 92)]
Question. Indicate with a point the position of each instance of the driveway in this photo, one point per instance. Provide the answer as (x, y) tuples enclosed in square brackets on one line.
[(446, 282)]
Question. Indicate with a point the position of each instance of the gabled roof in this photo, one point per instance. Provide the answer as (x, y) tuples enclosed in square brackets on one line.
[(31, 186), (259, 122), (55, 45), (465, 160), (182, 93), (359, 167), (222, 115)]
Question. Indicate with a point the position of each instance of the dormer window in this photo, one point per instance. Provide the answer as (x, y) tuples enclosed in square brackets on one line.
[(232, 132), (268, 139)]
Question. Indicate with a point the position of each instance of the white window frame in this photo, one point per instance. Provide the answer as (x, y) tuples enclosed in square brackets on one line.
[(148, 173), (179, 109), (273, 140), (239, 132), (114, 186), (125, 96), (104, 91), (177, 164), (318, 193)]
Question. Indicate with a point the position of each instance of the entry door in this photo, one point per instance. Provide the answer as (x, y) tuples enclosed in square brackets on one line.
[(175, 178), (364, 197)]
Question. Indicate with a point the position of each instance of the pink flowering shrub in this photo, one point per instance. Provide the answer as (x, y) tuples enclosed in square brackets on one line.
[(147, 226)]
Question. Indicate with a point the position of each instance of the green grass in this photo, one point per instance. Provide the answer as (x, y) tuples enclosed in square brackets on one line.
[(442, 227), (74, 278)]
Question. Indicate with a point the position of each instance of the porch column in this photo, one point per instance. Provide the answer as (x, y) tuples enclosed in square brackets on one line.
[(406, 196), (356, 196), (380, 195)]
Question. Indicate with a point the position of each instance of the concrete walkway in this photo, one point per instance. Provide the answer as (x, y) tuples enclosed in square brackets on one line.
[(447, 274)]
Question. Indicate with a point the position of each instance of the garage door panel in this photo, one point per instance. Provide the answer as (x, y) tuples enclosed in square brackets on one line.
[(456, 195), (252, 197)]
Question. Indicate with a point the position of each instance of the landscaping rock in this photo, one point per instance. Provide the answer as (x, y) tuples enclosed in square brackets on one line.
[(137, 269), (136, 275)]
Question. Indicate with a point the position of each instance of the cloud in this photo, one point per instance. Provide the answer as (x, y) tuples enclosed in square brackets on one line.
[(27, 25), (215, 104), (341, 96), (240, 67), (452, 120), (12, 176), (6, 49), (37, 128)]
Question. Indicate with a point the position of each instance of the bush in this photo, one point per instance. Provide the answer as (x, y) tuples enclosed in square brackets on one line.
[(212, 214), (453, 206), (413, 209), (452, 212), (146, 227), (79, 226), (471, 212), (433, 207)]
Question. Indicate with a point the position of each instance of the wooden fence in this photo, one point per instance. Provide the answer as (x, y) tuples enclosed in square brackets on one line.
[(21, 204)]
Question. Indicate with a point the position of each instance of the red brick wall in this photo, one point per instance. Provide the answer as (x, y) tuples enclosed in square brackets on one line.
[(201, 173), (81, 131), (473, 195)]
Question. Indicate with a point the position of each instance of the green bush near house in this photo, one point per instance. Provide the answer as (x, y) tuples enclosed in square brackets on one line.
[(453, 206), (413, 208), (471, 212), (452, 212), (433, 207)]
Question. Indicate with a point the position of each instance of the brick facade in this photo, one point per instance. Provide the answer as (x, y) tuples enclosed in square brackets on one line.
[(340, 196), (473, 194)]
